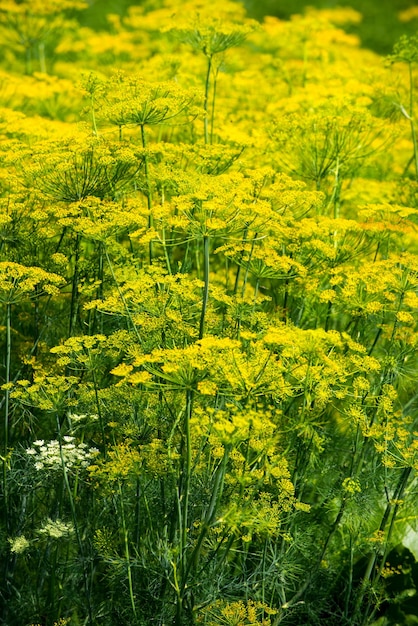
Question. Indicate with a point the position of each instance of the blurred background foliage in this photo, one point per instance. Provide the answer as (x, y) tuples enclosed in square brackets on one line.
[(380, 27)]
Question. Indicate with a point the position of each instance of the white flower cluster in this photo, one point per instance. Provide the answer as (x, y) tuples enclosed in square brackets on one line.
[(78, 417), (56, 529), (18, 544), (49, 456)]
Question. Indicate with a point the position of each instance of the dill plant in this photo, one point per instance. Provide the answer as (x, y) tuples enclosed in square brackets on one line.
[(210, 329)]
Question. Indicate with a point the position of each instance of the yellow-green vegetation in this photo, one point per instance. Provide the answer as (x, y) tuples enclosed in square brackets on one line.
[(209, 298)]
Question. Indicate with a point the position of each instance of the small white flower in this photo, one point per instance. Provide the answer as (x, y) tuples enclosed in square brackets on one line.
[(18, 544), (56, 529), (51, 456)]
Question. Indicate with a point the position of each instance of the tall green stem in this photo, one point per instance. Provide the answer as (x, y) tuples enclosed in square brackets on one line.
[(74, 290), (122, 297), (6, 405), (147, 188), (372, 576), (206, 100), (206, 285), (76, 527), (212, 112), (183, 509), (186, 471), (42, 60), (127, 552), (411, 118)]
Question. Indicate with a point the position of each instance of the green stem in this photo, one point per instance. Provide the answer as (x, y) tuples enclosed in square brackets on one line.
[(122, 297), (147, 189), (93, 115), (6, 407), (8, 367), (206, 100), (42, 61), (74, 289), (183, 509), (163, 238), (99, 412), (186, 472), (369, 577), (212, 112), (76, 527), (247, 269), (206, 286), (237, 275), (411, 118), (350, 580), (127, 553), (308, 579), (217, 491)]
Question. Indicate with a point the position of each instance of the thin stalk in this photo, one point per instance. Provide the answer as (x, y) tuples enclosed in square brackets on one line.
[(100, 276), (391, 508), (206, 100), (6, 406), (217, 491), (405, 476), (285, 300), (122, 297), (167, 258), (99, 412), (76, 528), (328, 315), (335, 196), (163, 238), (376, 339), (8, 367), (395, 323), (93, 115), (350, 580), (308, 579), (187, 474), (183, 511), (237, 275), (74, 289), (247, 269), (212, 112), (147, 189), (411, 118), (244, 282), (206, 285), (127, 553), (256, 289), (42, 61)]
